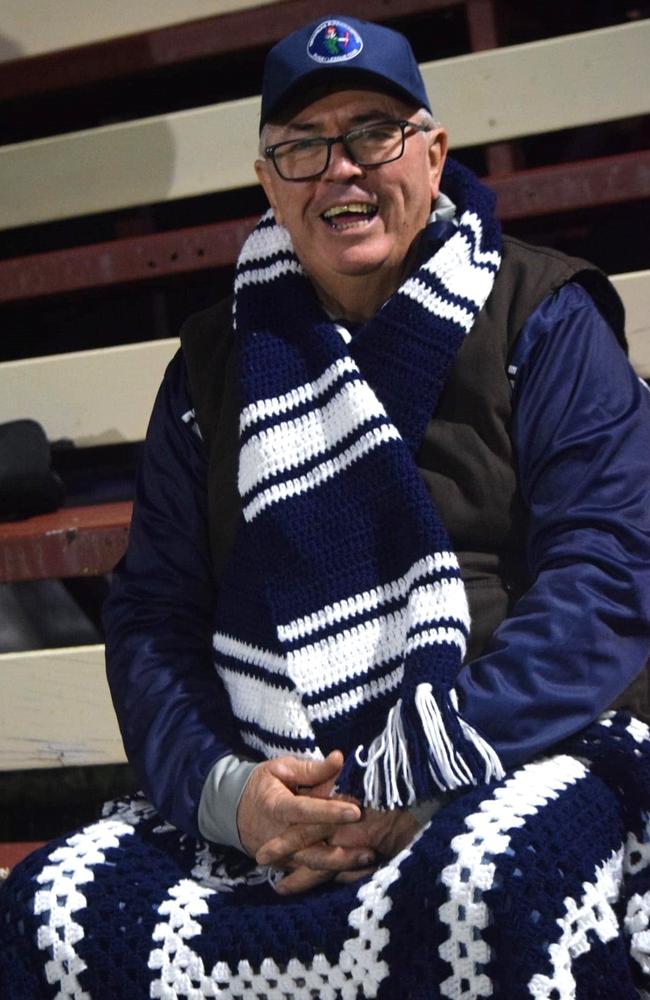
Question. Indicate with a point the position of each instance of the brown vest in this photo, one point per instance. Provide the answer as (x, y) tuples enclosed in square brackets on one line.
[(465, 458)]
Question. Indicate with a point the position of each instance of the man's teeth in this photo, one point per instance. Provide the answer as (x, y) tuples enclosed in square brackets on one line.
[(352, 208)]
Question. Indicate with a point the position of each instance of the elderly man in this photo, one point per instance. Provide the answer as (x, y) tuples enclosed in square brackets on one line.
[(390, 546)]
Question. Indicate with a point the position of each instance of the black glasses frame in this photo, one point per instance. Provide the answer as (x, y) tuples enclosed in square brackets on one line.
[(344, 139)]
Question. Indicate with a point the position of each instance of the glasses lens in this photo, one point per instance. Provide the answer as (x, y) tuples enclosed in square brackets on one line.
[(295, 160), (376, 143)]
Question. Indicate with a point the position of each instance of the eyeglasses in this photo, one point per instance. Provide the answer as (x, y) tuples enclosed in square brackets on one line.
[(368, 146)]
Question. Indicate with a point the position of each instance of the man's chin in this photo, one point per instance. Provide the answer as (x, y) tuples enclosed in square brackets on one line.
[(361, 261)]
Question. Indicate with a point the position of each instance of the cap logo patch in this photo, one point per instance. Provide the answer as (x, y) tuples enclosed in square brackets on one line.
[(334, 41)]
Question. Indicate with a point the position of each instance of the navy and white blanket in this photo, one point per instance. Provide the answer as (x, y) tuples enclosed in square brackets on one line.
[(535, 886)]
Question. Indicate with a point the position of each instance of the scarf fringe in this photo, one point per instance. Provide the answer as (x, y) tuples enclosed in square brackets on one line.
[(416, 757)]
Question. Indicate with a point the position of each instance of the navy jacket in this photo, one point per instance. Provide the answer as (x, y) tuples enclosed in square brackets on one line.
[(577, 637)]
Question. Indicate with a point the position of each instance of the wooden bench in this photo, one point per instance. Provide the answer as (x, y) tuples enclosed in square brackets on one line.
[(171, 157)]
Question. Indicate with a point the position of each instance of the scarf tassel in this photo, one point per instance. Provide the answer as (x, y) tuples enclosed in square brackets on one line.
[(424, 749)]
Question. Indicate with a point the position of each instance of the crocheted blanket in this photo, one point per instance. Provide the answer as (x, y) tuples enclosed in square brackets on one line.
[(535, 886)]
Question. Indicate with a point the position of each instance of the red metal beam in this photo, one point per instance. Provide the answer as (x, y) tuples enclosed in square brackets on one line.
[(135, 259), (484, 21), (608, 180), (210, 37), (11, 852), (73, 541), (543, 191), (485, 24)]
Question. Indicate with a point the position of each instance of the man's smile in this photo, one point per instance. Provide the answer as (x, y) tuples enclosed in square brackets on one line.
[(349, 215)]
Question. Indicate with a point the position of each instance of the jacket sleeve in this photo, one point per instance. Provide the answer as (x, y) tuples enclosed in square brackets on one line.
[(173, 712), (581, 633)]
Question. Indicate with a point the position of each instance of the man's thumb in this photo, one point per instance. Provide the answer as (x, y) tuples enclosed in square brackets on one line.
[(315, 772)]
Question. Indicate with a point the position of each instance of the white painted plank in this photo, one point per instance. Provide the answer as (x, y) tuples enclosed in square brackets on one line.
[(56, 710), (102, 396), (483, 97), (154, 159), (578, 79), (634, 289), (28, 29)]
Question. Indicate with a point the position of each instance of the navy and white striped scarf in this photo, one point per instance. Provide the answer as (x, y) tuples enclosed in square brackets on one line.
[(343, 618)]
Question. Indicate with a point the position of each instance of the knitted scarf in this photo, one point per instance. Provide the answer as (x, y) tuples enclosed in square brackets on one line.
[(343, 618)]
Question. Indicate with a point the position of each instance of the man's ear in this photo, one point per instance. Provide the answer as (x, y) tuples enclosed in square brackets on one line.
[(437, 157), (266, 177)]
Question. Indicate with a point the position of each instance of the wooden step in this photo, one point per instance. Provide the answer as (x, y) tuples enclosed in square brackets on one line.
[(13, 852), (73, 541)]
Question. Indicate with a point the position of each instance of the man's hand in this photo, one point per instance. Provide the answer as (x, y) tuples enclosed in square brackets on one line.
[(349, 852), (289, 795)]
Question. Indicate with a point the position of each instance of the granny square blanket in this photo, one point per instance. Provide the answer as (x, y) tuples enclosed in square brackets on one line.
[(536, 885)]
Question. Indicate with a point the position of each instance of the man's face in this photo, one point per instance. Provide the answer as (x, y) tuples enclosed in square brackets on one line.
[(396, 196)]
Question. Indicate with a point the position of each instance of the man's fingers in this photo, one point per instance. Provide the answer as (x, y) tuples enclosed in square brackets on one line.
[(296, 771), (324, 857), (322, 791), (292, 809), (286, 845), (308, 846), (272, 801), (354, 876), (301, 880)]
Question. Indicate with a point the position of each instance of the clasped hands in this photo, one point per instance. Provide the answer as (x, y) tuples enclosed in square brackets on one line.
[(287, 819)]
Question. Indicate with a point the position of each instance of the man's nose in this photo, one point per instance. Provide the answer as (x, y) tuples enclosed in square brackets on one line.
[(341, 164)]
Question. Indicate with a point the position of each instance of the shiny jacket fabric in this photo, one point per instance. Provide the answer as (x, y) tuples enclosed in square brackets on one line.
[(577, 635)]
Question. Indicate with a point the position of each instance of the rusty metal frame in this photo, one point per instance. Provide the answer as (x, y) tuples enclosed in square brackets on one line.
[(123, 261), (222, 34), (485, 23), (11, 852), (608, 180), (542, 191), (73, 541)]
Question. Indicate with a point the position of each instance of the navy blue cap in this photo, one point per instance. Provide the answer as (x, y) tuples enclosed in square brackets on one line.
[(341, 50)]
